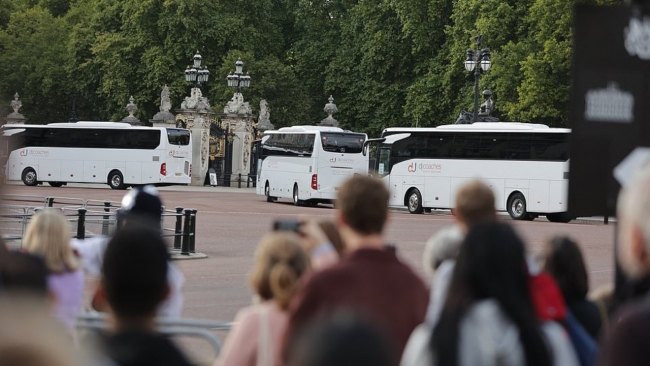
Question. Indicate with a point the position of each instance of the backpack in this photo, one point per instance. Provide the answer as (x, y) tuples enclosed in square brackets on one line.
[(584, 345)]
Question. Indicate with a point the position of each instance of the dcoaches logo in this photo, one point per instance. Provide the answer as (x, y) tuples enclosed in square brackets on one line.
[(412, 168), (23, 152), (425, 167)]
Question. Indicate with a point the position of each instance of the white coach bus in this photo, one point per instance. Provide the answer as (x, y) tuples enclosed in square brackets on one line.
[(526, 165), (308, 163), (96, 152)]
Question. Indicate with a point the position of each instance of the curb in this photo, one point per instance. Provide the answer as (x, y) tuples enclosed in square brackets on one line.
[(179, 257)]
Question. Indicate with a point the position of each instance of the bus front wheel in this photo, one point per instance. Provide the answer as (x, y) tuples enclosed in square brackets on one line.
[(29, 177), (559, 217), (116, 180), (517, 208), (414, 202)]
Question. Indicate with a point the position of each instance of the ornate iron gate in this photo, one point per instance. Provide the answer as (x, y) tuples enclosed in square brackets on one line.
[(220, 154)]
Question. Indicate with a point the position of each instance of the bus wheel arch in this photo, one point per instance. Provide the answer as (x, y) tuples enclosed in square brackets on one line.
[(56, 184), (517, 207), (29, 177), (413, 201), (116, 179)]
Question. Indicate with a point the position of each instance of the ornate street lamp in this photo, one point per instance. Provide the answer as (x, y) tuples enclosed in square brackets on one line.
[(195, 73), (477, 62), (237, 79)]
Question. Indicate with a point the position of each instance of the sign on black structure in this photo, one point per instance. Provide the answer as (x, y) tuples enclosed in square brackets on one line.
[(610, 102)]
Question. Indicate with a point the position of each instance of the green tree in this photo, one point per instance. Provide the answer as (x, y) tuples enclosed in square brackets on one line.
[(32, 63)]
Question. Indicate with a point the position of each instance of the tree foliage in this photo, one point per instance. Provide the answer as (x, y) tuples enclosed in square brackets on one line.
[(386, 62)]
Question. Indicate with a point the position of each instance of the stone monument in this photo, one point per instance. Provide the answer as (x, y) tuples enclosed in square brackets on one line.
[(264, 118), (330, 109), (196, 115), (238, 118), (164, 118), (132, 108), (15, 117)]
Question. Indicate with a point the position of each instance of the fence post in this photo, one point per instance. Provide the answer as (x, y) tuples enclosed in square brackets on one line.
[(49, 201), (185, 247), (106, 218), (81, 224), (606, 219), (193, 237), (178, 232), (248, 181), (239, 181)]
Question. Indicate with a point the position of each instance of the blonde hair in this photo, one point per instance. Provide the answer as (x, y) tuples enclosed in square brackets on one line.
[(48, 235), (280, 261)]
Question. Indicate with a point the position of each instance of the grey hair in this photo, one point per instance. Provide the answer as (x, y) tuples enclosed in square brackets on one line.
[(443, 245), (634, 203)]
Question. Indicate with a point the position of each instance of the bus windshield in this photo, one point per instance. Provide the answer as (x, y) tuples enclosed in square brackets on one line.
[(351, 143), (178, 137)]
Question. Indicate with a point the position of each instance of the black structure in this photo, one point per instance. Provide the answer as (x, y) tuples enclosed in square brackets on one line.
[(237, 79), (73, 113), (220, 161), (196, 73), (478, 61)]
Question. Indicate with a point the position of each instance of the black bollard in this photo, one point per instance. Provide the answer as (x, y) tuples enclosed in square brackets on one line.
[(185, 247), (81, 224), (178, 232), (106, 218), (193, 237)]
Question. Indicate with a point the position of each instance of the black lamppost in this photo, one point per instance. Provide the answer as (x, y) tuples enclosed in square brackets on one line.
[(237, 79), (477, 61), (195, 73)]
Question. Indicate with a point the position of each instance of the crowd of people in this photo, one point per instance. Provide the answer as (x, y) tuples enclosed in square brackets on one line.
[(334, 293)]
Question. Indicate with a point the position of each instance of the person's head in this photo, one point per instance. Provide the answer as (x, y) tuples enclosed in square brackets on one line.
[(561, 257), (134, 273), (634, 225), (474, 204), (491, 265), (48, 235), (23, 273), (280, 261), (343, 340), (362, 205), (142, 205), (31, 336), (442, 246), (333, 235)]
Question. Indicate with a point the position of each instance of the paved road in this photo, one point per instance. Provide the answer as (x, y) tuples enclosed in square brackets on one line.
[(231, 221)]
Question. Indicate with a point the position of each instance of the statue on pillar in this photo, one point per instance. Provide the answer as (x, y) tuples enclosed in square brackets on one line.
[(196, 100), (264, 119), (131, 108), (330, 109), (164, 117), (15, 116), (236, 105)]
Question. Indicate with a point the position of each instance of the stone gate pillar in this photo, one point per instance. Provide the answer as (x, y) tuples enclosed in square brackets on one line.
[(15, 117), (195, 115), (238, 117)]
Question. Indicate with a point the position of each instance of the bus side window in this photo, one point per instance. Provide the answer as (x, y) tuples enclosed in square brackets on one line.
[(384, 162)]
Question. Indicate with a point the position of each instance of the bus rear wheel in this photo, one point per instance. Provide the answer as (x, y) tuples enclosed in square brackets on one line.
[(56, 184), (29, 177), (517, 208), (267, 193), (414, 201), (296, 200), (116, 180)]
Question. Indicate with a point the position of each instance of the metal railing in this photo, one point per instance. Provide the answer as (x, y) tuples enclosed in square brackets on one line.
[(250, 180), (91, 217), (170, 326)]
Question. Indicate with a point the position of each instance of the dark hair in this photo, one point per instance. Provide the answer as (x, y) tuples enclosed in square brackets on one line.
[(363, 202), (475, 203), (491, 264), (564, 261), (332, 233), (135, 271), (341, 340), (23, 272)]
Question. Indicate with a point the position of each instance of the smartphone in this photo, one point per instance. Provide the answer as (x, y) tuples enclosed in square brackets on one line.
[(286, 225)]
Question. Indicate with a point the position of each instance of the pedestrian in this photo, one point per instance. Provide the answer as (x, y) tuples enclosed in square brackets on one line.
[(343, 340), (561, 257), (255, 338), (488, 317), (369, 281), (139, 206), (48, 235), (474, 205), (627, 342), (133, 285)]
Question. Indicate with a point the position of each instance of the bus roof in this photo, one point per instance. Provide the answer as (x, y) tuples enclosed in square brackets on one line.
[(309, 129), (482, 127), (82, 124)]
